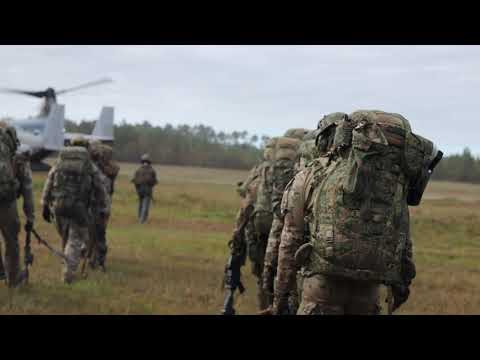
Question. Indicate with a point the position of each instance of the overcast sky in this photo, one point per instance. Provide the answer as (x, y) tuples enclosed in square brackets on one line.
[(261, 89)]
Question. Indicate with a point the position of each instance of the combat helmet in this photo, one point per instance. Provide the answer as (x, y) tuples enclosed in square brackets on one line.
[(296, 133), (269, 149), (80, 141), (145, 159), (11, 133), (326, 130)]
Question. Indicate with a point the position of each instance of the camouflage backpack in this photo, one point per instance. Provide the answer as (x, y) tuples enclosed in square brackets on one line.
[(359, 222), (72, 186), (297, 133), (8, 146), (307, 151), (283, 154), (286, 156), (102, 155), (263, 203)]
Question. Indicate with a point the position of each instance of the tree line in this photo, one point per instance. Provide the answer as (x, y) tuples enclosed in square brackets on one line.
[(201, 145), (197, 145), (460, 167)]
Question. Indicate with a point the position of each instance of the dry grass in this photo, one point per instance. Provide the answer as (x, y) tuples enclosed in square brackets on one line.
[(174, 264)]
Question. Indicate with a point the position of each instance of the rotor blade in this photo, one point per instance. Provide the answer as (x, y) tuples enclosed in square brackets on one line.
[(92, 83), (38, 94)]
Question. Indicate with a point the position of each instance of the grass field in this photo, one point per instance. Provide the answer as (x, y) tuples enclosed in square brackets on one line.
[(174, 263)]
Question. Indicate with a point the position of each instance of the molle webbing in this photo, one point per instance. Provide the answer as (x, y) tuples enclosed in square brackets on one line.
[(359, 222)]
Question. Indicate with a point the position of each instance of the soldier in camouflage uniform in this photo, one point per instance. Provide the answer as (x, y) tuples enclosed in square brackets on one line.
[(67, 198), (18, 166), (348, 246), (248, 195), (243, 235), (306, 154), (272, 179), (144, 179), (101, 155)]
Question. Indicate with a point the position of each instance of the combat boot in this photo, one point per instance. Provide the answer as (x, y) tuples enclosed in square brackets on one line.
[(68, 278), (20, 279), (102, 266), (93, 263)]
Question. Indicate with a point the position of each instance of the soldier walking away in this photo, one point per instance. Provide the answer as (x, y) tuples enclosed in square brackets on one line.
[(102, 157), (145, 179), (291, 155), (67, 199), (260, 193), (242, 234), (15, 181), (346, 216)]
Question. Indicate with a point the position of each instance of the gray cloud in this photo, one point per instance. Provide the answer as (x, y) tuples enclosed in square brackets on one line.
[(261, 89)]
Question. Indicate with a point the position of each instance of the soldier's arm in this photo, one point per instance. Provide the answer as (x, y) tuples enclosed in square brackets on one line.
[(101, 196), (47, 188), (27, 192), (271, 254), (252, 175), (134, 176), (292, 237)]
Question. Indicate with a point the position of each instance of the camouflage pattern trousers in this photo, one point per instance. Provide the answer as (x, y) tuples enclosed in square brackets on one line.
[(74, 238), (10, 227), (257, 239), (143, 208), (328, 295), (101, 248)]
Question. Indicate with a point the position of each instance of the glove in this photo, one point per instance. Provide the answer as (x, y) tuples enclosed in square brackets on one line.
[(400, 295), (47, 215), (29, 226)]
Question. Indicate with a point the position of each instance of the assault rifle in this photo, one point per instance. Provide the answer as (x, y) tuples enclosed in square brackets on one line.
[(27, 254), (232, 278), (47, 245)]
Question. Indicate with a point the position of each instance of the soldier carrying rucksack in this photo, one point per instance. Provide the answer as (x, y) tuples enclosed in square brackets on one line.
[(102, 157), (243, 234), (282, 154), (15, 181), (67, 196), (346, 216), (144, 179), (286, 158)]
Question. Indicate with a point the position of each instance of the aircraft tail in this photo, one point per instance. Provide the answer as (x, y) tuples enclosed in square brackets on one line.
[(104, 125), (54, 136)]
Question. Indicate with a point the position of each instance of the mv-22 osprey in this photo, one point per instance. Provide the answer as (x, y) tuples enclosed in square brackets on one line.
[(45, 133)]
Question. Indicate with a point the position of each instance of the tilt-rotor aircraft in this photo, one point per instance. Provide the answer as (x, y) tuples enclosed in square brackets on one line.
[(45, 133)]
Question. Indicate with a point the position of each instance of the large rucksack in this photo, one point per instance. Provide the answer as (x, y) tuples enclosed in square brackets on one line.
[(8, 183), (360, 216), (286, 156), (103, 156), (73, 184)]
